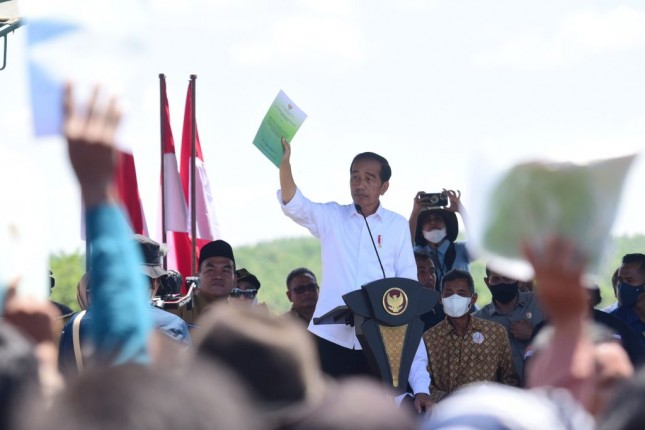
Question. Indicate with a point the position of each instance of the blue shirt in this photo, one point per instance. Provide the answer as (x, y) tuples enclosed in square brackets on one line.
[(632, 320), (462, 259), (121, 322), (169, 324)]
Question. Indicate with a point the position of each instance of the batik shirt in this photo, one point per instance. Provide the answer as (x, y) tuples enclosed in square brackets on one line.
[(482, 354)]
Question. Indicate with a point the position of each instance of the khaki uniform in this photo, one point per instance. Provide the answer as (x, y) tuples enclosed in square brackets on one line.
[(200, 305), (297, 316)]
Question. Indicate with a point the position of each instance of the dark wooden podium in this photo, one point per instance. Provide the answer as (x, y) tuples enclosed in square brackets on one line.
[(386, 316)]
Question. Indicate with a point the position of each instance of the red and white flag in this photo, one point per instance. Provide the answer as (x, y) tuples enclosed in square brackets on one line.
[(127, 189), (127, 193), (175, 208), (207, 225), (175, 211), (178, 195)]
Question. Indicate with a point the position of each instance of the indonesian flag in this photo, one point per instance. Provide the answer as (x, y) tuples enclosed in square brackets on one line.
[(207, 225), (177, 192), (127, 193), (176, 224), (127, 189), (175, 208)]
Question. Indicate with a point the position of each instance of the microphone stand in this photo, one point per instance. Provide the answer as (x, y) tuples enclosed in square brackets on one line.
[(360, 211)]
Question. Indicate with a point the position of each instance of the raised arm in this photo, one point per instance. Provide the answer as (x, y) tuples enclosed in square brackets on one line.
[(287, 184), (457, 206), (567, 361), (90, 144), (121, 323), (417, 207)]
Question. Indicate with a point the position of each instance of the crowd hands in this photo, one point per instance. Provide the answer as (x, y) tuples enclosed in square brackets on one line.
[(539, 355)]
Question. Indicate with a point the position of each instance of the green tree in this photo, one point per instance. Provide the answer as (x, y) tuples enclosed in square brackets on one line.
[(272, 261), (67, 270)]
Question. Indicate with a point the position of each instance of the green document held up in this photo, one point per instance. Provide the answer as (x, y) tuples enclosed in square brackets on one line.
[(283, 119)]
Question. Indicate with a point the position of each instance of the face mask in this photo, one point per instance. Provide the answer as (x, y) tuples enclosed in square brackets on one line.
[(434, 236), (504, 293), (456, 305), (628, 294)]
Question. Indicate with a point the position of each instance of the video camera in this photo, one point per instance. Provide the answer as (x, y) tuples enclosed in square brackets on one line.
[(169, 292)]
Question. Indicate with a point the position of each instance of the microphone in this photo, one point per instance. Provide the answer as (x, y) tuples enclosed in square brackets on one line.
[(360, 211)]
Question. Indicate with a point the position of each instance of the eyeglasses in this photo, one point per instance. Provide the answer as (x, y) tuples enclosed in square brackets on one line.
[(301, 289), (248, 294)]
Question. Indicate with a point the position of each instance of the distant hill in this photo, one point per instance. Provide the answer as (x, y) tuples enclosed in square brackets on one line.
[(272, 261)]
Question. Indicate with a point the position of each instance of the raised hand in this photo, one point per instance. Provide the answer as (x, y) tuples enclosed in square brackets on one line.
[(453, 198), (90, 133), (286, 155), (559, 268), (287, 183)]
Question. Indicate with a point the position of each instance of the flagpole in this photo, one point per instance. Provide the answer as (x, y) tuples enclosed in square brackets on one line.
[(162, 87), (193, 206)]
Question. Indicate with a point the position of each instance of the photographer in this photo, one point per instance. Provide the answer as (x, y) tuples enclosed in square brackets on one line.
[(434, 227)]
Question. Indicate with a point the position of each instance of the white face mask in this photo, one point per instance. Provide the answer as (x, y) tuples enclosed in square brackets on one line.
[(434, 236), (456, 305)]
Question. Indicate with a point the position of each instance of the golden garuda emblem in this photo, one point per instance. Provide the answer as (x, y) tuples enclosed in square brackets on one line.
[(395, 301)]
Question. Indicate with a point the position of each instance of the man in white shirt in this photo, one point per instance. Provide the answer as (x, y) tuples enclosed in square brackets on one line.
[(349, 260)]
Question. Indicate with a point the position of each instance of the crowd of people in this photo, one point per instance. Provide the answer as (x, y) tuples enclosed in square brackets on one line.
[(538, 356)]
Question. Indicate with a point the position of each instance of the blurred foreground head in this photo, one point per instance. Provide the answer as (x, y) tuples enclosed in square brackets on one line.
[(492, 406), (611, 365), (274, 357), (18, 374), (136, 397), (277, 361), (355, 404), (625, 411)]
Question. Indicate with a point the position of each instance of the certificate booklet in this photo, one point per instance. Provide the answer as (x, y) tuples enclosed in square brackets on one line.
[(283, 119)]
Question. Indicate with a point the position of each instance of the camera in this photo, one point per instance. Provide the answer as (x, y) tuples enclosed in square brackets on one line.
[(433, 199), (170, 284), (169, 293)]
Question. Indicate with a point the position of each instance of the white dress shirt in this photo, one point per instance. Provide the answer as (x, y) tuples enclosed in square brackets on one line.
[(349, 261)]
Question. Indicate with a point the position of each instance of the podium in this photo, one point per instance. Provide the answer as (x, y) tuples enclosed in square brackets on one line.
[(386, 316)]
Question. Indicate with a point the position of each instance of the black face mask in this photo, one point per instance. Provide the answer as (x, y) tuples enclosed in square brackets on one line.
[(504, 293)]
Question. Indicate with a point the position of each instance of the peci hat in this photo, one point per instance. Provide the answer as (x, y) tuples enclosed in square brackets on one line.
[(151, 251), (449, 218), (245, 275), (216, 248)]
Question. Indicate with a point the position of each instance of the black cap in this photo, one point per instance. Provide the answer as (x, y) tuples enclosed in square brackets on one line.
[(216, 248), (151, 256), (449, 218), (245, 275)]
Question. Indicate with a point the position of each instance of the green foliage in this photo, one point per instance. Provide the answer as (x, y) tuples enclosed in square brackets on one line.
[(272, 261), (67, 270)]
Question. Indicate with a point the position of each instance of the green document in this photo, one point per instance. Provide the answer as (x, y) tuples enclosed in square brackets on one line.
[(283, 119), (535, 200)]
